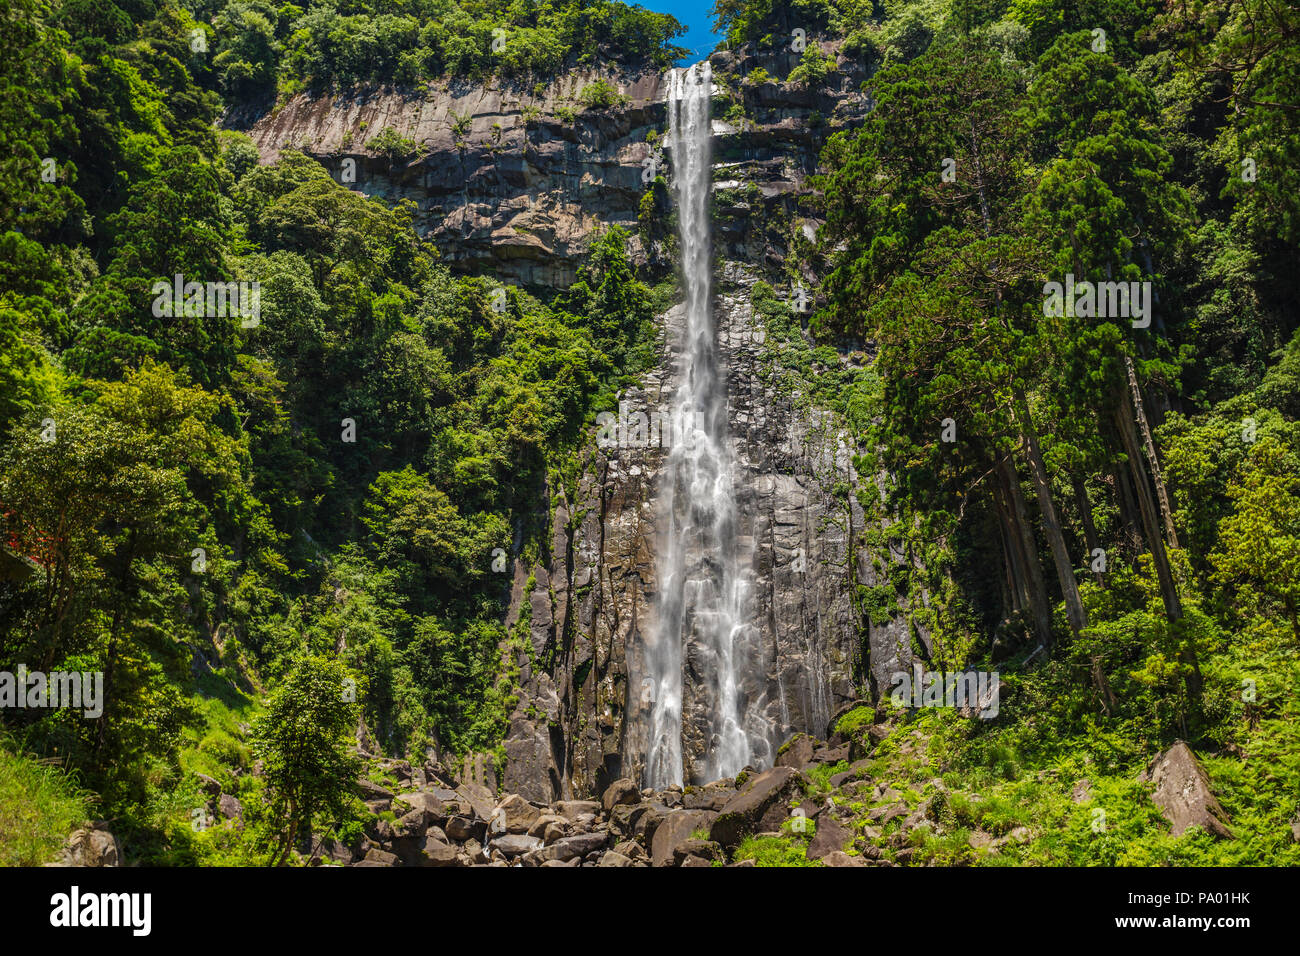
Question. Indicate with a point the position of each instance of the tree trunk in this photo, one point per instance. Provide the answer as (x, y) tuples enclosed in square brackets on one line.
[(1147, 509), (286, 841), (110, 663), (1023, 535), (1162, 494), (1009, 580), (1074, 612), (1085, 517), (1127, 423)]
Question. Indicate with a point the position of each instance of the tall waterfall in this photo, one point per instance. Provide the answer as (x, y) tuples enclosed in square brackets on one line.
[(702, 590)]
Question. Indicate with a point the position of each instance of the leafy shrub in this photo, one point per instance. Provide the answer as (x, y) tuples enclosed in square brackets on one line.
[(600, 95), (392, 144)]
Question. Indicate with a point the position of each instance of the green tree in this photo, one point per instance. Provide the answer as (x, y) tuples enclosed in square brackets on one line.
[(304, 739)]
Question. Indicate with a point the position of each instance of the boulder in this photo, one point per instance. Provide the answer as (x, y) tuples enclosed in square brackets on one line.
[(573, 847), (230, 807), (545, 820), (797, 752), (644, 826), (412, 823), (461, 828), (856, 770), (674, 829), (631, 849), (429, 806), (830, 755), (700, 849), (1182, 792), (614, 858), (477, 855), (333, 849), (571, 810), (437, 852), (378, 857), (91, 846), (840, 858), (516, 844), (712, 797), (760, 804), (519, 814), (479, 799), (372, 791), (208, 785), (620, 792), (883, 815), (829, 838)]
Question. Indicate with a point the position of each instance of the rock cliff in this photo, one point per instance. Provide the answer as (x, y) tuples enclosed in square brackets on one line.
[(512, 182)]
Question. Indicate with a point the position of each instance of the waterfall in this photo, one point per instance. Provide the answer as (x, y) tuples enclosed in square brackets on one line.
[(701, 613)]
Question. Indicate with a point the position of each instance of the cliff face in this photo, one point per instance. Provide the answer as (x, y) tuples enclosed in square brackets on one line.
[(517, 194), (504, 181)]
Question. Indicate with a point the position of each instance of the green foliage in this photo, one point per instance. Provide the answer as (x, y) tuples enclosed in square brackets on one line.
[(774, 851), (304, 739), (392, 144), (813, 68), (39, 807), (174, 490), (320, 45), (600, 95)]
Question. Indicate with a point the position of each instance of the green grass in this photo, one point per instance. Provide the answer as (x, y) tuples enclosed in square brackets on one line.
[(39, 806), (774, 851), (859, 718), (819, 778)]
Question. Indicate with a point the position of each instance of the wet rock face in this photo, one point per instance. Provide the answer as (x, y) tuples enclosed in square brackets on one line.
[(507, 185), (502, 181), (596, 598), (762, 161)]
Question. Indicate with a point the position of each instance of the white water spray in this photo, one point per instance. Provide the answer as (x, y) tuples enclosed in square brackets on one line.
[(702, 596)]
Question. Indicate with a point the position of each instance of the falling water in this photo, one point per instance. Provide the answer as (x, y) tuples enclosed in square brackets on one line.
[(702, 590)]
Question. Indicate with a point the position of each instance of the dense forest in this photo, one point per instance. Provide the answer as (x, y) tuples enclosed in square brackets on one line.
[(229, 514), (379, 430)]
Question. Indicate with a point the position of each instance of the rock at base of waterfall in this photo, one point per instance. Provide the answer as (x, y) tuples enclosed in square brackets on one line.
[(829, 838), (759, 805), (674, 830), (619, 792)]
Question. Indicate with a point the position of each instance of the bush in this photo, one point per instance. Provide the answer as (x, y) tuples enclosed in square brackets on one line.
[(392, 144), (600, 95)]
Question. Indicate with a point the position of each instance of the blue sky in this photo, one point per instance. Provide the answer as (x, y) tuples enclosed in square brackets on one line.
[(694, 14)]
